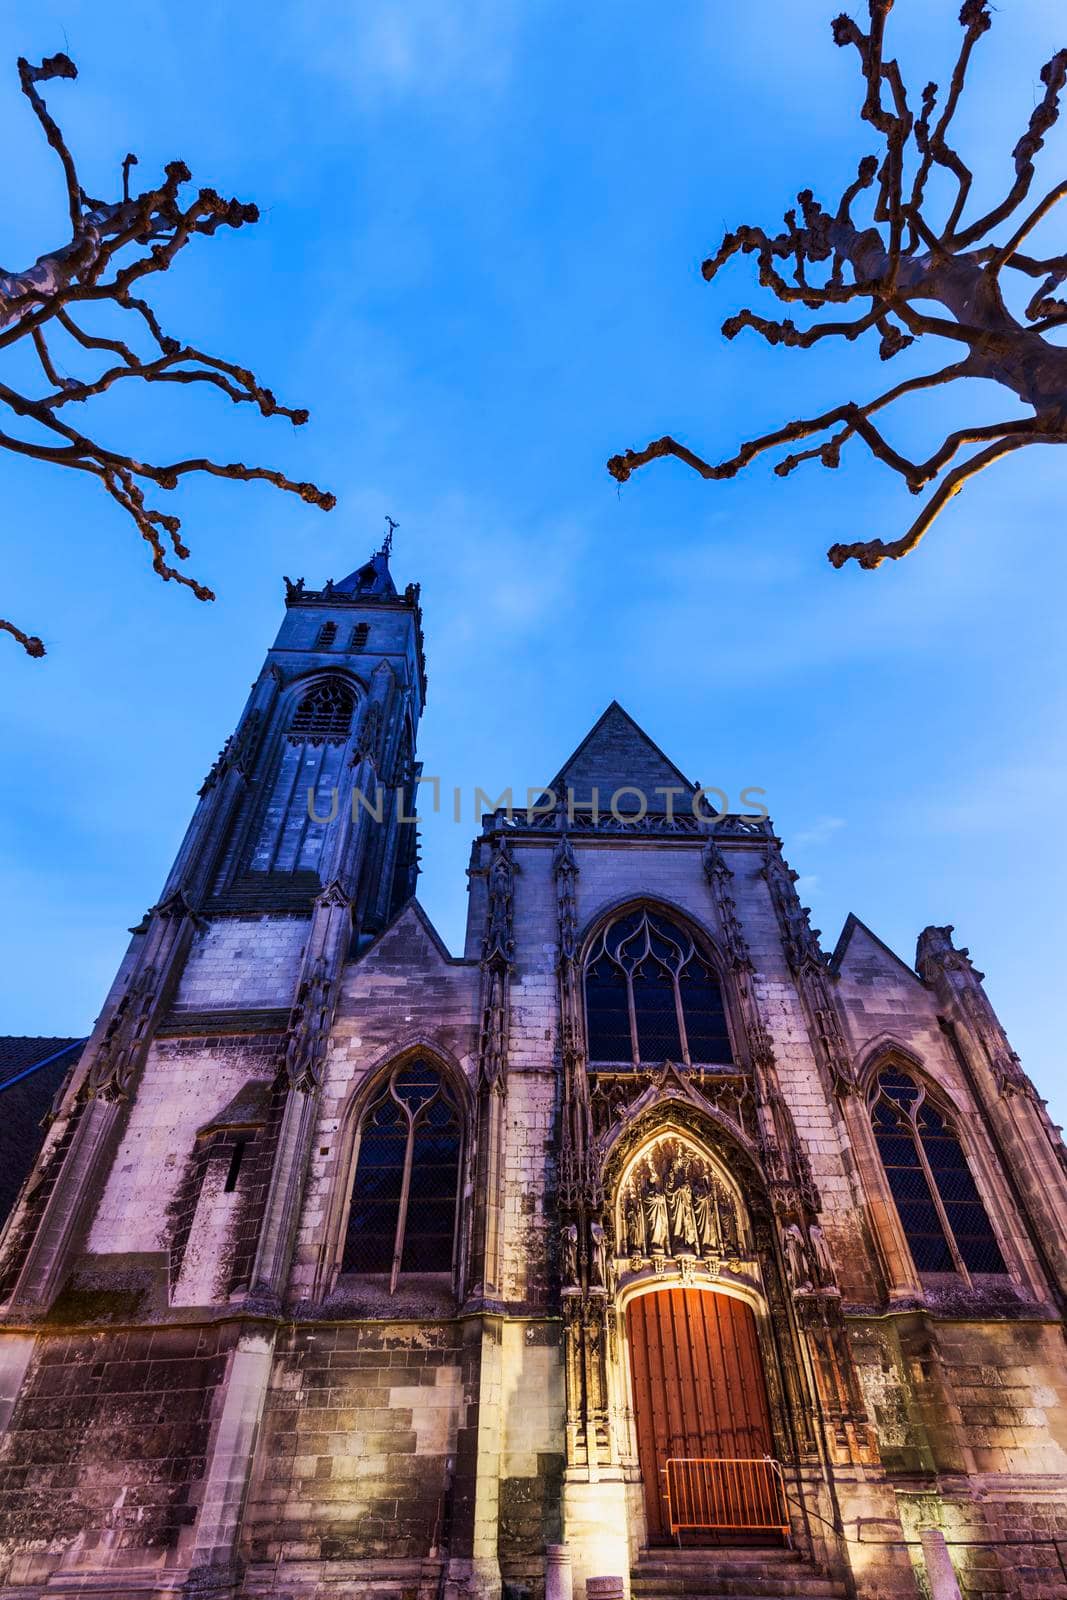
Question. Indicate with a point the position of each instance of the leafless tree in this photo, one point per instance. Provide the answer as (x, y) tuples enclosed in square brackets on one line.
[(113, 246), (899, 271)]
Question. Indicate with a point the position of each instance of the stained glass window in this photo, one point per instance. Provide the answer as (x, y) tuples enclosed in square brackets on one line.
[(650, 996), (939, 1206), (403, 1212)]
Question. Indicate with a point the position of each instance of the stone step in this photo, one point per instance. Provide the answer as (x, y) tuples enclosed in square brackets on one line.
[(755, 1585), (714, 1575), (754, 1594), (741, 1583), (668, 1558)]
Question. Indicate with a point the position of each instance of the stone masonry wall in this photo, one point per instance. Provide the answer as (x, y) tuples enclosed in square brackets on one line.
[(532, 1454), (244, 962), (184, 1084), (359, 1426), (105, 1447), (1006, 1544)]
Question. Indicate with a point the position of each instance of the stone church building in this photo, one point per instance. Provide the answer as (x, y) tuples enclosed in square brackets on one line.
[(644, 1227)]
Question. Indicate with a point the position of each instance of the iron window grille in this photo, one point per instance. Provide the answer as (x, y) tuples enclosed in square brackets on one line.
[(405, 1193), (941, 1212)]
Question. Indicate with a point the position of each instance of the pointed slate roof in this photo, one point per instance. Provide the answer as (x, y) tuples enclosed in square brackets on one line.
[(372, 578), (617, 754)]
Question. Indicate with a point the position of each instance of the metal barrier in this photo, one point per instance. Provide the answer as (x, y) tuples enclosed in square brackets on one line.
[(744, 1494)]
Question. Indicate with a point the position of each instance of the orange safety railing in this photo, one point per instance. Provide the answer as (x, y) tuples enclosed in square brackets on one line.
[(726, 1493)]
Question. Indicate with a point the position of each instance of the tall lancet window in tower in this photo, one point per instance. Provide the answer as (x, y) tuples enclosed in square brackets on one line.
[(650, 996), (311, 762), (940, 1209), (405, 1193)]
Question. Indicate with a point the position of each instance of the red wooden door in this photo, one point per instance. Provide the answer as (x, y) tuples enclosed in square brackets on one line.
[(698, 1384)]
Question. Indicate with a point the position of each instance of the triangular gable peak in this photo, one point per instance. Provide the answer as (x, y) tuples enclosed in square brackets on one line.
[(848, 952), (412, 937), (617, 754), (670, 1086)]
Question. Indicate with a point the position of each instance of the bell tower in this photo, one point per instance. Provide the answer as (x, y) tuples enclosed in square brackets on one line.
[(302, 847), (316, 785)]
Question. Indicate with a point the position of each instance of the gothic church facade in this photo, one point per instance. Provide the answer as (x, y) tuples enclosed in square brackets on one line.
[(643, 1228)]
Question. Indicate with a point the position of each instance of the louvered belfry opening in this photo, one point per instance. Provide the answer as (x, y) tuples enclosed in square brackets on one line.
[(699, 1395), (311, 762), (325, 712)]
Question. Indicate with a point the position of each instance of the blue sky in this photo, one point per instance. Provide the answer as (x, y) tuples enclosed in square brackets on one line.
[(478, 264)]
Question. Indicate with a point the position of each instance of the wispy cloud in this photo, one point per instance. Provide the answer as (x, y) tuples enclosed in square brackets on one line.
[(818, 832), (400, 48)]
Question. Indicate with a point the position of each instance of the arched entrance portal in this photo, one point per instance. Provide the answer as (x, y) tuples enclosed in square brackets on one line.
[(702, 1420)]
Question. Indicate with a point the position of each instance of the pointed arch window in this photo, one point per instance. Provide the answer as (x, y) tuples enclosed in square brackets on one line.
[(650, 996), (942, 1214), (406, 1189)]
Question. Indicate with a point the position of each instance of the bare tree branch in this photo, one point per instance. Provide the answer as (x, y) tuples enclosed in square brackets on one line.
[(912, 277), (113, 245)]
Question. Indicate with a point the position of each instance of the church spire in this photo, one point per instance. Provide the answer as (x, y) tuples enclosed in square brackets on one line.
[(374, 577)]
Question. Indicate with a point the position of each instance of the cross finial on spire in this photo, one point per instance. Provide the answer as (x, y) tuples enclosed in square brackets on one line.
[(388, 545)]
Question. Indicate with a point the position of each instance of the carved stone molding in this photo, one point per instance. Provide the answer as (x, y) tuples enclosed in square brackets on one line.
[(674, 1204), (309, 1029)]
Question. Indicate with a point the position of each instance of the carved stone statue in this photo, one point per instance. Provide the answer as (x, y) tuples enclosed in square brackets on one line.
[(680, 1207), (727, 1220), (570, 1255), (824, 1265), (498, 940), (704, 1215), (634, 1225), (796, 1259), (598, 1255), (658, 1223)]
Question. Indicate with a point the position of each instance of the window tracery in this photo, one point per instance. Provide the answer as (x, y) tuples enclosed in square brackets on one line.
[(324, 714), (651, 996), (402, 1217), (940, 1209)]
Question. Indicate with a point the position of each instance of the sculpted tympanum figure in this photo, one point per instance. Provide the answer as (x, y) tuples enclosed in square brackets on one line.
[(659, 1236), (634, 1225), (704, 1215), (680, 1204)]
